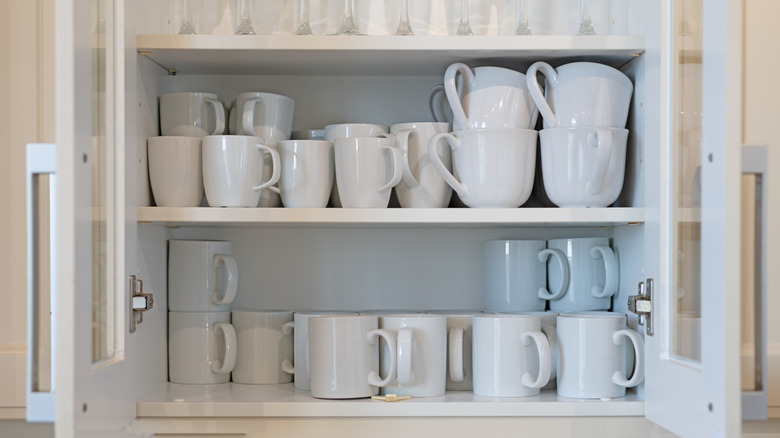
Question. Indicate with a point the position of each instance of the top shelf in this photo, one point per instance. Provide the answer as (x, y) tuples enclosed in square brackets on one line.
[(376, 55)]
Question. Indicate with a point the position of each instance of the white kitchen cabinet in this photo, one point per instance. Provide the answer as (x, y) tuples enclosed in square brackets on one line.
[(112, 382)]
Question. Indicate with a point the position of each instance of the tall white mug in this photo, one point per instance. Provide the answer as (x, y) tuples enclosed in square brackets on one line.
[(460, 374), (307, 172), (265, 346), (191, 114), (302, 365), (342, 130), (175, 171), (367, 168), (265, 115), (421, 185), (201, 347), (202, 276)]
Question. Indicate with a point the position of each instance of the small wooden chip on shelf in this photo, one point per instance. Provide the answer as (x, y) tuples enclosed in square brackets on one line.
[(390, 397)]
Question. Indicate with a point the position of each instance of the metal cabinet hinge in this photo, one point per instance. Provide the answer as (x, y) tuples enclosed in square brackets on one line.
[(642, 305), (139, 302)]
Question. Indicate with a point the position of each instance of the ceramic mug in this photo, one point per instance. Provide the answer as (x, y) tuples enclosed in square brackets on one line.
[(201, 347), (460, 373), (307, 173), (367, 168), (175, 171), (202, 276), (342, 130), (265, 347), (421, 185), (265, 115), (549, 322), (191, 114)]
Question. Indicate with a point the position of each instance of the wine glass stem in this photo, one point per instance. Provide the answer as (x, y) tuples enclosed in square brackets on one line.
[(405, 11), (464, 12), (585, 10), (522, 10), (348, 11)]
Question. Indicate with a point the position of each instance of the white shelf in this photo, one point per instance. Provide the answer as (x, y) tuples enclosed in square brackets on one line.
[(376, 55), (391, 217), (235, 400)]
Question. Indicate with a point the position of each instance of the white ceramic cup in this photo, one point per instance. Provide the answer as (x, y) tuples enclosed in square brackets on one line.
[(460, 374), (344, 356), (201, 347), (491, 167), (307, 172), (589, 281), (233, 170), (341, 130), (548, 320), (421, 185), (516, 274), (592, 355), (175, 171), (367, 168), (265, 115), (512, 356), (489, 97), (202, 276), (191, 114), (583, 167), (265, 346), (581, 94), (421, 342)]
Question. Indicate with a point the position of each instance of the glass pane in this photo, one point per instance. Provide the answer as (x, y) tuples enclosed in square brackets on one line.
[(41, 364), (686, 158)]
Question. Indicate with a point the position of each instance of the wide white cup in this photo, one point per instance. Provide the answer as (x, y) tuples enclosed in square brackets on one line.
[(265, 346), (202, 276), (489, 97), (421, 185), (175, 171), (201, 347), (581, 94), (512, 356), (587, 280), (265, 115), (233, 170), (421, 342), (549, 320), (491, 167), (302, 361), (593, 357), (583, 167), (307, 172), (191, 114), (344, 356), (516, 274), (367, 168), (460, 374), (341, 130)]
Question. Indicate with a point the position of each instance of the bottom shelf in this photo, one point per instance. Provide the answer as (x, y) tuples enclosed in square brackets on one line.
[(236, 400)]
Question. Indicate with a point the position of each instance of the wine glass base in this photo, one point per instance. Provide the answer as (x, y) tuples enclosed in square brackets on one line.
[(187, 28), (523, 29), (304, 29), (404, 29), (464, 29), (586, 28), (245, 28), (348, 27)]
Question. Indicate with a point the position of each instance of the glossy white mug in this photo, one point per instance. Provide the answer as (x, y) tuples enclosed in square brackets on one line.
[(342, 130), (460, 373), (202, 276), (191, 114), (201, 347), (175, 170), (367, 168), (307, 172), (265, 347), (421, 185), (265, 115), (549, 321), (492, 168)]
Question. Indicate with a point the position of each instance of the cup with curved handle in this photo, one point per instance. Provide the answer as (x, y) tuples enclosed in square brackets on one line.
[(202, 276), (265, 115), (191, 114), (202, 347), (367, 168), (265, 346), (421, 186)]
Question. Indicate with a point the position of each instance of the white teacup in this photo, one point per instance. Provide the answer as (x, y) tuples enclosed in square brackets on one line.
[(202, 276), (492, 97), (265, 115), (583, 167), (233, 170), (421, 185), (491, 167), (302, 364), (201, 347), (191, 114), (367, 168), (341, 130), (175, 171), (307, 172), (265, 347), (587, 280), (581, 94), (593, 357)]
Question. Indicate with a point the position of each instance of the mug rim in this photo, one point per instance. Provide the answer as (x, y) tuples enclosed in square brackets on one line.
[(593, 315)]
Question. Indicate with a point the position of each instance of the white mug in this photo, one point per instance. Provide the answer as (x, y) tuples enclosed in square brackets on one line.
[(233, 170), (460, 374), (592, 355), (301, 366), (307, 172), (549, 321), (492, 97), (344, 356), (175, 171), (202, 276), (516, 274), (583, 167), (581, 94), (421, 185), (265, 115), (421, 342), (201, 347), (341, 130), (191, 114), (367, 168), (492, 168), (265, 347), (589, 280), (512, 356)]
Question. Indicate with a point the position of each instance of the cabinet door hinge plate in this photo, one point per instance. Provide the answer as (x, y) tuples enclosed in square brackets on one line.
[(642, 305), (139, 302)]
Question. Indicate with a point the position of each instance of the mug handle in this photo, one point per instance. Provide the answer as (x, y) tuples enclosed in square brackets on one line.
[(231, 285), (432, 104), (454, 144), (219, 113), (276, 169), (611, 270), (601, 139), (373, 378), (247, 123), (287, 330), (229, 334), (639, 360), (402, 141), (451, 91), (395, 155), (563, 263), (455, 349), (552, 338), (543, 348), (405, 341), (535, 90)]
